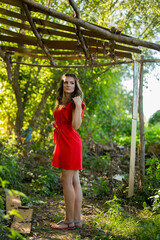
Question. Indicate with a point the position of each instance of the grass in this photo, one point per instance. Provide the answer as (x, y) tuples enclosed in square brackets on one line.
[(117, 223)]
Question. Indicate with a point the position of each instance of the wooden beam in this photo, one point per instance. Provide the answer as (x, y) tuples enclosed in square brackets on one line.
[(68, 45), (134, 129), (91, 27), (30, 50), (141, 152), (56, 33), (93, 51), (16, 3), (47, 23), (76, 66), (149, 60), (38, 36), (22, 40), (15, 24), (13, 14), (80, 57), (62, 58), (89, 41), (52, 24), (8, 32)]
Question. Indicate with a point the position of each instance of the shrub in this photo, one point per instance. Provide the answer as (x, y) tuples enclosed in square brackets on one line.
[(155, 118), (152, 177), (156, 202)]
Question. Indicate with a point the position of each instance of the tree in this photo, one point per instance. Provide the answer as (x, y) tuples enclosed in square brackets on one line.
[(155, 118), (31, 92)]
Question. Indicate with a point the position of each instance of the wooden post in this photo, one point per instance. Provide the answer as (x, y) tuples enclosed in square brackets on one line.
[(141, 154), (134, 129)]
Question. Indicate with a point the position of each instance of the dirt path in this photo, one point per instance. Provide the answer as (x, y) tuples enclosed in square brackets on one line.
[(52, 210)]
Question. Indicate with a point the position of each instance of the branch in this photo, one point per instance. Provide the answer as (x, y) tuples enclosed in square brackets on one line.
[(38, 36), (79, 34)]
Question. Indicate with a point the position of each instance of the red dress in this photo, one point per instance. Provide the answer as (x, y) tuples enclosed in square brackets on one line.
[(68, 149)]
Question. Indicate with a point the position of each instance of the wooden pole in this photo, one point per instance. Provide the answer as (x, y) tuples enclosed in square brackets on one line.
[(134, 129), (141, 157)]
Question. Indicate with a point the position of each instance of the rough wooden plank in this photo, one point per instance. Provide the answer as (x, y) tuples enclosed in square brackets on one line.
[(15, 24), (22, 40), (57, 33), (12, 201), (8, 32), (23, 226), (134, 129), (90, 42), (16, 3), (13, 14), (30, 50), (132, 158), (26, 214)]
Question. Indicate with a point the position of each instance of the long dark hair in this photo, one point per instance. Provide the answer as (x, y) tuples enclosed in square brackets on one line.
[(77, 91)]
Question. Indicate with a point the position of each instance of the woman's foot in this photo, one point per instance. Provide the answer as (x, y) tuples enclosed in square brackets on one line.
[(62, 225), (78, 224)]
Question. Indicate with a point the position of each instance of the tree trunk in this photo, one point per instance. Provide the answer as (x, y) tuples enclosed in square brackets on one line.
[(41, 105), (20, 106)]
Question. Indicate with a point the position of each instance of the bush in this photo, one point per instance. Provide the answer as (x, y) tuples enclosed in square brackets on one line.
[(152, 134), (46, 183), (156, 202), (155, 118), (96, 163), (152, 177)]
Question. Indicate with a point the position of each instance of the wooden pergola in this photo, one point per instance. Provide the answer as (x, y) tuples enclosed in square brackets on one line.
[(83, 41), (73, 44)]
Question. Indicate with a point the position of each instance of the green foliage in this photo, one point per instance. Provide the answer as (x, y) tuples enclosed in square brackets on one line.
[(5, 218), (46, 183), (100, 188), (155, 118), (156, 202), (10, 167), (118, 223), (96, 164), (152, 134), (152, 177)]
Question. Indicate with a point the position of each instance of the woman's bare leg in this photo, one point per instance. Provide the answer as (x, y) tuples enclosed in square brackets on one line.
[(78, 197), (69, 194), (69, 198)]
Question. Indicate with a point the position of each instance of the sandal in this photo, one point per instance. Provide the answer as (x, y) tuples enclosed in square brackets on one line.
[(78, 224), (56, 227)]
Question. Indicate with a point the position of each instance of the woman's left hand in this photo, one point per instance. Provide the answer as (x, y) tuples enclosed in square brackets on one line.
[(77, 100)]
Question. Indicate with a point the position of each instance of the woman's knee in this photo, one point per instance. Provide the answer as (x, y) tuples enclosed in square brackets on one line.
[(76, 180)]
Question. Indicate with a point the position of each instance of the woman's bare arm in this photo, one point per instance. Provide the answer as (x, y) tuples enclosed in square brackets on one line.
[(76, 113)]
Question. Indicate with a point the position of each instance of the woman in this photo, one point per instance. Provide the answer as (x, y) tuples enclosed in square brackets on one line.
[(68, 150)]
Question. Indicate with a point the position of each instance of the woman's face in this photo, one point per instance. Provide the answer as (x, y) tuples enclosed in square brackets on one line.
[(68, 85)]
